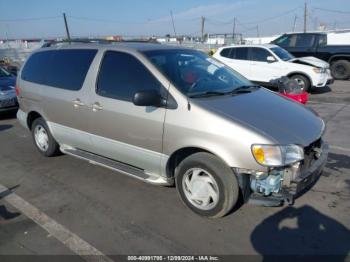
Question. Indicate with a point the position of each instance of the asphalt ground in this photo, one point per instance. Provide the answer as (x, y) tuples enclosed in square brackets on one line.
[(66, 206)]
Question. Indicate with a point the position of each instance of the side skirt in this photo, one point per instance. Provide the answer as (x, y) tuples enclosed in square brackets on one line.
[(117, 166)]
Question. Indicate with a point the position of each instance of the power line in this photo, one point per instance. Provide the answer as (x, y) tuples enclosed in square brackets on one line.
[(217, 22), (29, 19), (272, 17), (149, 21), (105, 20), (332, 10)]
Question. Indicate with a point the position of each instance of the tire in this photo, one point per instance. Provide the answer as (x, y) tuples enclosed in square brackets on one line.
[(43, 139), (206, 174), (340, 69), (302, 81)]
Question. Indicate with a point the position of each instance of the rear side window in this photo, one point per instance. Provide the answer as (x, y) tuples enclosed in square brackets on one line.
[(122, 75), (64, 69), (241, 53), (36, 67), (259, 54), (225, 52), (228, 52), (69, 68)]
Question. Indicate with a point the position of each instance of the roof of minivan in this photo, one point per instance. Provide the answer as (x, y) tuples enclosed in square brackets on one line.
[(137, 46)]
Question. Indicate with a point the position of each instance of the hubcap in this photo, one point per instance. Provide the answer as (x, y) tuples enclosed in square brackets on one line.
[(41, 138), (300, 82), (200, 188), (340, 69)]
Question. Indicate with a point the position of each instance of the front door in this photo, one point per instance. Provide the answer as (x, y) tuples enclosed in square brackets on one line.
[(119, 129)]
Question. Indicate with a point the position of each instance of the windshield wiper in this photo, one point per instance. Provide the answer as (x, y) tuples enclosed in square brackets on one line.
[(208, 94), (244, 89)]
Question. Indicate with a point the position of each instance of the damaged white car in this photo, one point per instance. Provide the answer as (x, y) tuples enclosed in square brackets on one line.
[(263, 63)]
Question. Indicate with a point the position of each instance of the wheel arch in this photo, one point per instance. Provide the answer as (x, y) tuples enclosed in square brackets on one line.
[(180, 154), (32, 115), (303, 74), (338, 57)]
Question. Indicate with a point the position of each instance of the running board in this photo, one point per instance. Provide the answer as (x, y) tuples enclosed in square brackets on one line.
[(116, 166)]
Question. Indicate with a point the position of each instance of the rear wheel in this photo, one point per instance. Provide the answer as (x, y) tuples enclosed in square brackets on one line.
[(340, 69), (303, 82), (43, 139), (206, 185)]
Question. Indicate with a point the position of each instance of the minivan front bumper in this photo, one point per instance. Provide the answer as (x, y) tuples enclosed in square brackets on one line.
[(307, 177)]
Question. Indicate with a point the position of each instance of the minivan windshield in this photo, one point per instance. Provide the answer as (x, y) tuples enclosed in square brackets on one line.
[(282, 53), (196, 74)]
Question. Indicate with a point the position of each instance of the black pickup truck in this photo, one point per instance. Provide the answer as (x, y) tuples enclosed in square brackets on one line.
[(315, 44)]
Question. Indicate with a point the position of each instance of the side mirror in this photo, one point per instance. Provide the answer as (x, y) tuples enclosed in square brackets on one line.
[(270, 59), (148, 98)]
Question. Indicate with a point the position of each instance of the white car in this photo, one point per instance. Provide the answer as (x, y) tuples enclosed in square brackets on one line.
[(263, 63)]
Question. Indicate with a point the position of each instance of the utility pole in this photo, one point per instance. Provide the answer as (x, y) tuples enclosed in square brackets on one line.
[(257, 31), (295, 23), (66, 25), (202, 27), (234, 30), (305, 16), (172, 19)]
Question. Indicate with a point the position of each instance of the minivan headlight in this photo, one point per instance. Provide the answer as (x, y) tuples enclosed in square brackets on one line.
[(277, 155)]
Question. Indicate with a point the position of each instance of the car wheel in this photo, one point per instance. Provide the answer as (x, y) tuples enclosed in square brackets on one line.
[(206, 185), (340, 69), (43, 139), (302, 81)]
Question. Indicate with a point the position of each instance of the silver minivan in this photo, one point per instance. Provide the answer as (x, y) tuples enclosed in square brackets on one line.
[(169, 115)]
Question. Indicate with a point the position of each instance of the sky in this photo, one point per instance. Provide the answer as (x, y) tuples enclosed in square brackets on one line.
[(43, 18)]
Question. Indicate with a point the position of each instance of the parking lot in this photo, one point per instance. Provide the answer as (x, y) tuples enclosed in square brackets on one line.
[(66, 205)]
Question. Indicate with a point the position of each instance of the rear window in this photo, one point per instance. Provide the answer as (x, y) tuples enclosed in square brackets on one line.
[(64, 69)]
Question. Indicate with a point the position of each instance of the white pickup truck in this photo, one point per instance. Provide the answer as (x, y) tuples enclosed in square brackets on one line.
[(263, 63)]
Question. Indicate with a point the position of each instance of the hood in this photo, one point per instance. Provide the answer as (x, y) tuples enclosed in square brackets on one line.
[(276, 117), (310, 60)]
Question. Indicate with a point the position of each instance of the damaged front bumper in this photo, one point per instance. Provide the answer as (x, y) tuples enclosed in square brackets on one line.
[(307, 178), (293, 180)]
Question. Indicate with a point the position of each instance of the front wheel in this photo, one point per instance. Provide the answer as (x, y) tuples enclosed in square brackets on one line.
[(206, 185), (302, 81)]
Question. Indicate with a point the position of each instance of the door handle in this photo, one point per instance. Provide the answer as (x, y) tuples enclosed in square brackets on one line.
[(96, 107), (77, 103)]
